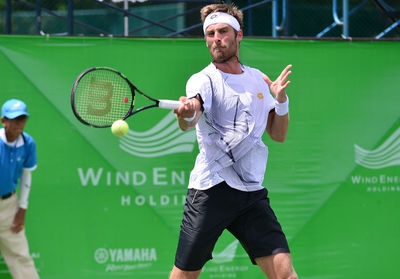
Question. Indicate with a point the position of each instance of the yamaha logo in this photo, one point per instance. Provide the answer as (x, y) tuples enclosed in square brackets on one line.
[(101, 255), (125, 255), (125, 259)]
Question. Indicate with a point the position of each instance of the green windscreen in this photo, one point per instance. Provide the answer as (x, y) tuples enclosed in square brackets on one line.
[(103, 206)]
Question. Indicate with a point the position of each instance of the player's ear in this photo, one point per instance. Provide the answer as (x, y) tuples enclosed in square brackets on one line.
[(3, 121), (239, 36)]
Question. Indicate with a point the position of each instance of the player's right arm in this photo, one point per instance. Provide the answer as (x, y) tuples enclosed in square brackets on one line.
[(198, 99), (189, 112)]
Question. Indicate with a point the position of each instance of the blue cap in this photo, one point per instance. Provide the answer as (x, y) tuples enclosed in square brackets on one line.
[(14, 108)]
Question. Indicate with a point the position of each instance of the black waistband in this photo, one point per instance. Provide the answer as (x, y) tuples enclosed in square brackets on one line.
[(6, 196)]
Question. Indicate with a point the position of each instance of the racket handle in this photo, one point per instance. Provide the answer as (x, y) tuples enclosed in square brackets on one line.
[(169, 104)]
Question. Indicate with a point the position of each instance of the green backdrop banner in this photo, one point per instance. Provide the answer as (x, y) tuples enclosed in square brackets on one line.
[(108, 207)]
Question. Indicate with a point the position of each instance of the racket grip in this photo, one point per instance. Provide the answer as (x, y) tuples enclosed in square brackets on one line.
[(169, 104)]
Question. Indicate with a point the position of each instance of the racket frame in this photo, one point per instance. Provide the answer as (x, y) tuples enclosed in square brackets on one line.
[(164, 103)]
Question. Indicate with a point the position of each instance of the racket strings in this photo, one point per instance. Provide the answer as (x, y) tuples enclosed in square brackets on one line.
[(102, 96)]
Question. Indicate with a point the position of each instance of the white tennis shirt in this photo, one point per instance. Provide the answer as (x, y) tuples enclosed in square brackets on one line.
[(236, 108)]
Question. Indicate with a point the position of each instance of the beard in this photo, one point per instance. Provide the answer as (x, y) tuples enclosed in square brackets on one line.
[(224, 54)]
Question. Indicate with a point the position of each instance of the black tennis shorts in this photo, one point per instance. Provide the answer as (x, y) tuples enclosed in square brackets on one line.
[(247, 215)]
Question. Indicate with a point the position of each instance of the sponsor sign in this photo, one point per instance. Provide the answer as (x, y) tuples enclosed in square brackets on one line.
[(379, 170), (125, 259)]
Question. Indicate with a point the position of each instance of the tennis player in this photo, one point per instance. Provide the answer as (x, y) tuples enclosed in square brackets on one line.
[(231, 106)]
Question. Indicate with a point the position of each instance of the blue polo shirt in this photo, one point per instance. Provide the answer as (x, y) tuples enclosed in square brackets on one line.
[(15, 157)]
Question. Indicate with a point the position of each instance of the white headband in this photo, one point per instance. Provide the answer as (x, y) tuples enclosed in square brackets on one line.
[(219, 17)]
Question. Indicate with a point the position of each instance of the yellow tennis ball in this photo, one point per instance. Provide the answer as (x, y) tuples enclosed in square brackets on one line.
[(120, 128)]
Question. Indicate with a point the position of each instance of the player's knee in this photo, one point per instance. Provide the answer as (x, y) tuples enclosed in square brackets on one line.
[(293, 275), (289, 273), (177, 273)]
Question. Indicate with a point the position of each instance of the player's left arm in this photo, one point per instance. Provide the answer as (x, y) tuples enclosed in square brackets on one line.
[(277, 126), (25, 187), (278, 120)]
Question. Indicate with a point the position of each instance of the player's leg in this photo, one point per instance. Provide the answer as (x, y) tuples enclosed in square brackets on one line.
[(277, 266), (205, 217), (261, 235), (177, 273)]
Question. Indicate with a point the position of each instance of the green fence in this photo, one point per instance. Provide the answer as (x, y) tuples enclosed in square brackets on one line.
[(109, 207)]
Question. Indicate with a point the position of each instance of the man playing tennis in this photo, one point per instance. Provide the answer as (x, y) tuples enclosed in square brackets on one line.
[(231, 106)]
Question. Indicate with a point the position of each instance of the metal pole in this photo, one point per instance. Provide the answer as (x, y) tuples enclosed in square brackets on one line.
[(126, 20), (334, 12), (346, 19), (8, 17), (38, 17), (281, 27), (387, 30), (274, 18), (334, 24), (70, 17)]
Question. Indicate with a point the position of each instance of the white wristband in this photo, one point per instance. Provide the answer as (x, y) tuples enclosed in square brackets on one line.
[(282, 109), (191, 118)]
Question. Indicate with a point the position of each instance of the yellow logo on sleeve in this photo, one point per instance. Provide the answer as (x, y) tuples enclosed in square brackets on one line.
[(260, 96)]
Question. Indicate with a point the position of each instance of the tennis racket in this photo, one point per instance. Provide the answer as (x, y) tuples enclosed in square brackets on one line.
[(100, 96)]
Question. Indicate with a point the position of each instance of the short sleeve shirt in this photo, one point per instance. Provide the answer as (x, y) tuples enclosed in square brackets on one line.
[(14, 158), (235, 116)]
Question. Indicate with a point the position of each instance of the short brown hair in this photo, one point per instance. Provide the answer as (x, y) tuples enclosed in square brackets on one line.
[(230, 9)]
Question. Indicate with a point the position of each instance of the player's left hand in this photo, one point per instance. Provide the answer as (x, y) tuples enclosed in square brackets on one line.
[(19, 221), (278, 87)]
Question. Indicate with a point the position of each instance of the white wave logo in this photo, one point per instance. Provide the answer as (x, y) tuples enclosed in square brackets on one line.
[(386, 155), (164, 138), (227, 254)]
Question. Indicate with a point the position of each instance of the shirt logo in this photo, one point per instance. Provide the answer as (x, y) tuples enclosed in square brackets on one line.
[(260, 96)]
